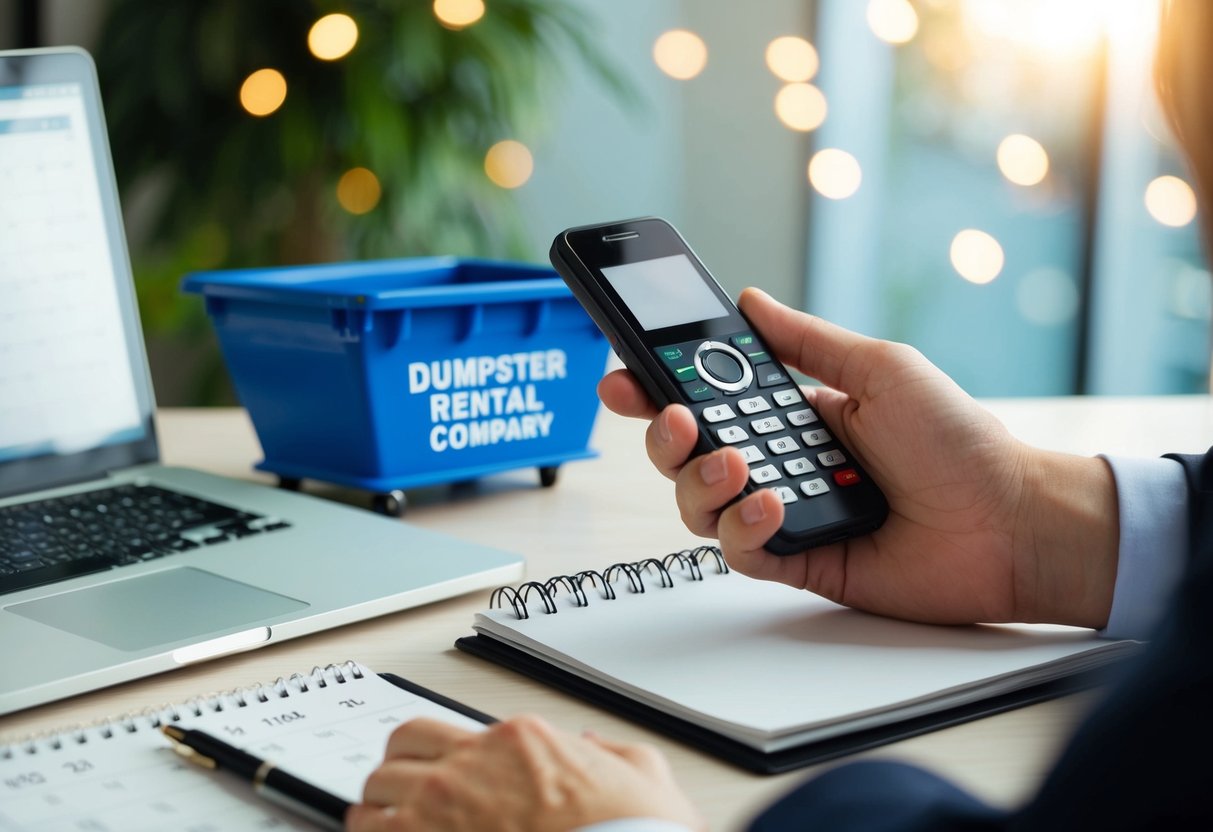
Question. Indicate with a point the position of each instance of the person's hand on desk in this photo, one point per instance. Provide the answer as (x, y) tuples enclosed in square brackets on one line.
[(982, 528), (518, 774)]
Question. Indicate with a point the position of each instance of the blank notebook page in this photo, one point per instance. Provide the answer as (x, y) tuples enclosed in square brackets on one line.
[(765, 663)]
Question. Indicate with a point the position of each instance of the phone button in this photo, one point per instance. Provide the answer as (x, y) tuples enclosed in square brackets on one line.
[(767, 425), (831, 458), (718, 413), (763, 474), (787, 397), (697, 391), (783, 445), (847, 476), (802, 417), (815, 437), (732, 435), (798, 466), (752, 454), (755, 405), (813, 487), (769, 375), (784, 493), (723, 367)]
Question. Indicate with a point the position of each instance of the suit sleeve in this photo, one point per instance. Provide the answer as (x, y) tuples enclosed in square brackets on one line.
[(1139, 761)]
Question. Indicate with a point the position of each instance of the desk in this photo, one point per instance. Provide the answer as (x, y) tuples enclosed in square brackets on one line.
[(609, 509)]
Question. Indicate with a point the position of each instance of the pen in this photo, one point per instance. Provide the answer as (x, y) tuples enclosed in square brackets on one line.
[(268, 780)]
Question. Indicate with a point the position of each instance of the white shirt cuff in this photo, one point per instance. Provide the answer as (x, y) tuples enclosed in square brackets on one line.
[(635, 825), (1153, 498)]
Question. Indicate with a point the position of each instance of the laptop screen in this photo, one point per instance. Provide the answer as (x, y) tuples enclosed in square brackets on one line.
[(74, 396)]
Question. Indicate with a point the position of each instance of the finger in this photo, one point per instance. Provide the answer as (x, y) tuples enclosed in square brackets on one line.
[(643, 756), (424, 739), (621, 393), (671, 438), (362, 817), (396, 782), (744, 529), (813, 345), (707, 484)]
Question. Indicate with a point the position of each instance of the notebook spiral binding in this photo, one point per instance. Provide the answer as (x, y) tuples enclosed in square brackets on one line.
[(688, 560), (155, 716)]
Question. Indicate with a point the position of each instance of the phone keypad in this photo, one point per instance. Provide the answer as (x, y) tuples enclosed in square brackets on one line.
[(782, 439)]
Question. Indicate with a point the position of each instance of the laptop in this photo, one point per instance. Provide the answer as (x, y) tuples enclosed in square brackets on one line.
[(113, 566)]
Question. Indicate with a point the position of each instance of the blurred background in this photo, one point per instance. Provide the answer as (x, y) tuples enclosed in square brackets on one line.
[(988, 180)]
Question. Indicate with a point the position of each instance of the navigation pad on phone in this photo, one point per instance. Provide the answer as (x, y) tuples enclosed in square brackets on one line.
[(743, 398)]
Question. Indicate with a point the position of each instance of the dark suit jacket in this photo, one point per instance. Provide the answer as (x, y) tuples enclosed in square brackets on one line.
[(1142, 760)]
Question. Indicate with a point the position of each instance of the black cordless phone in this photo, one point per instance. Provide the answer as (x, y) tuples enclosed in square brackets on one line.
[(686, 342)]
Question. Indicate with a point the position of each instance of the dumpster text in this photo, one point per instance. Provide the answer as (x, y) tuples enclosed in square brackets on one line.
[(486, 399)]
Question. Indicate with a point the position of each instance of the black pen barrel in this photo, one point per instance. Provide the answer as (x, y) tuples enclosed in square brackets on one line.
[(304, 793), (225, 756)]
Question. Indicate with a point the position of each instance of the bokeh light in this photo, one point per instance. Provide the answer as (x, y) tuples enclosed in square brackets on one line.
[(263, 92), (835, 173), (976, 256), (801, 106), (1022, 159), (680, 54), (332, 36), (1171, 201), (893, 21), (358, 190), (792, 59), (458, 14), (509, 164)]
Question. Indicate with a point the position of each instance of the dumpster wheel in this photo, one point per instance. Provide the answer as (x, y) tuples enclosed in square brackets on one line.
[(547, 475), (391, 503)]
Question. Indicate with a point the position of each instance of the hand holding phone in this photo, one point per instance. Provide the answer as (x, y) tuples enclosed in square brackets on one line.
[(685, 341)]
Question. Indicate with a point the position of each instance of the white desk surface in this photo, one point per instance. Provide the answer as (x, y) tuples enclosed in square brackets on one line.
[(615, 508)]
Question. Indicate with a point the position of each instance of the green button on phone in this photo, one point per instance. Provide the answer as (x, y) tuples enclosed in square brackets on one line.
[(685, 373)]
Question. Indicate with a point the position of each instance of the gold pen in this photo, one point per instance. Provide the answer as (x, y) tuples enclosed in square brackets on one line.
[(267, 779)]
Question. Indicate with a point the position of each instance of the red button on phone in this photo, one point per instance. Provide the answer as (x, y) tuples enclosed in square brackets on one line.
[(847, 476)]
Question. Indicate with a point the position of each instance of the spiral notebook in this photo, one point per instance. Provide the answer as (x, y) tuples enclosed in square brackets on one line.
[(329, 727), (766, 676)]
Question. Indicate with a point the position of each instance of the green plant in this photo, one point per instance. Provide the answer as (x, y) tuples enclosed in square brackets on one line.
[(415, 102)]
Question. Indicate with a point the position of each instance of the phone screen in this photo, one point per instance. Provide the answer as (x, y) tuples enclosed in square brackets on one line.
[(666, 291)]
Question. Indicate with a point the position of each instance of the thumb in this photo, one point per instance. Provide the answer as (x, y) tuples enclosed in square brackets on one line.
[(810, 344)]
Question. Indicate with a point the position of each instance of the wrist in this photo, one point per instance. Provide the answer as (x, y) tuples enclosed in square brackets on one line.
[(1067, 540)]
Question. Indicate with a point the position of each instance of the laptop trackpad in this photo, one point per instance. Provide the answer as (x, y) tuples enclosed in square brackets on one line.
[(160, 608)]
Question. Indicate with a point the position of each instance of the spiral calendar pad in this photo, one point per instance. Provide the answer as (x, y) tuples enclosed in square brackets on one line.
[(329, 727), (769, 677)]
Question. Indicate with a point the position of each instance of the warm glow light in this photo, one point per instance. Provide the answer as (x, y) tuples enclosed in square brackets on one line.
[(358, 190), (1069, 30), (801, 106), (680, 54), (1171, 201), (976, 256), (509, 164), (792, 59), (263, 92), (458, 14), (834, 173), (1022, 159), (332, 36), (894, 21)]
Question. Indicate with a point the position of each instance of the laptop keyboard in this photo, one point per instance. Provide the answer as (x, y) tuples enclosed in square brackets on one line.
[(50, 540)]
